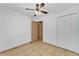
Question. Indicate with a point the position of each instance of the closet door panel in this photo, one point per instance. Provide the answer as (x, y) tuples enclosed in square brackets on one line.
[(60, 32), (67, 32)]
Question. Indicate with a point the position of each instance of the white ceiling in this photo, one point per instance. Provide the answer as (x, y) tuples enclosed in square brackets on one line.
[(52, 8)]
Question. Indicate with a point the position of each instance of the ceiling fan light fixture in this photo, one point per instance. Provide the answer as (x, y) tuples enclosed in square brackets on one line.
[(36, 12), (39, 12)]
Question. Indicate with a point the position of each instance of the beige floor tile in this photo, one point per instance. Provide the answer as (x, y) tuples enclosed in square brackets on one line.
[(37, 49), (69, 53), (59, 52)]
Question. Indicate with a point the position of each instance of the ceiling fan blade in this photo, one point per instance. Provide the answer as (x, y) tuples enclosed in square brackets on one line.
[(29, 9), (37, 7), (44, 12), (42, 5)]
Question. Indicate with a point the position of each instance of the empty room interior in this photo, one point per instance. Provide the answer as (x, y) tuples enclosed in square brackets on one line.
[(39, 29)]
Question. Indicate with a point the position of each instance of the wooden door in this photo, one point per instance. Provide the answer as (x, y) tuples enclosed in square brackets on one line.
[(40, 31), (37, 31), (34, 31)]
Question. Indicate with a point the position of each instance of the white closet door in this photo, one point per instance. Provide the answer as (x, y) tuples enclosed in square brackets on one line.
[(65, 32), (68, 32), (75, 34)]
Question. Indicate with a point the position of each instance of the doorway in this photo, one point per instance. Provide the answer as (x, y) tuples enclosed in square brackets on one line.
[(37, 31)]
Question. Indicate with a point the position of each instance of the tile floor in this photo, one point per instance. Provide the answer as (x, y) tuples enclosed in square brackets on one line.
[(37, 49)]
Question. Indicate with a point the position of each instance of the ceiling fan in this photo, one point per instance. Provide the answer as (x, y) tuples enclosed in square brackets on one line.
[(38, 9)]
